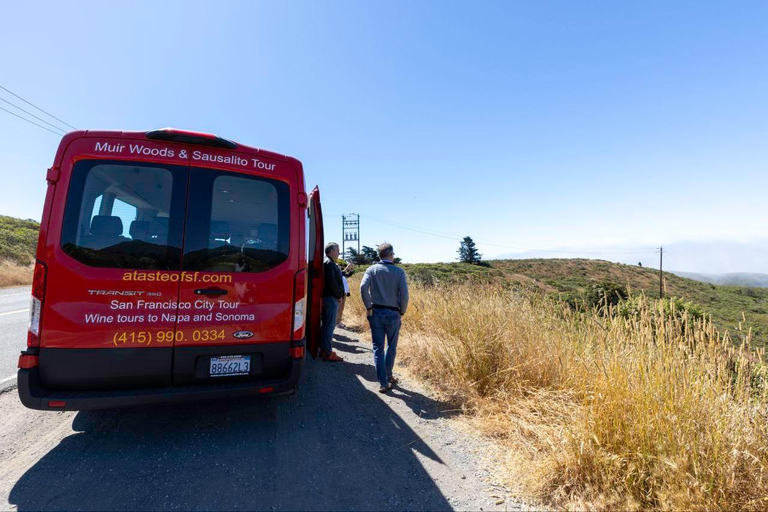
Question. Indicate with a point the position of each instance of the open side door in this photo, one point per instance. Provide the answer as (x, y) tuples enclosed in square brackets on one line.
[(316, 248)]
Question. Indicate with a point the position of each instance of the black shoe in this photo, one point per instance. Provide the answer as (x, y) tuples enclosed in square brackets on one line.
[(393, 381), (385, 388)]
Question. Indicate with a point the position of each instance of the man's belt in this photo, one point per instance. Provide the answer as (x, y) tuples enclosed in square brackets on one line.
[(376, 306)]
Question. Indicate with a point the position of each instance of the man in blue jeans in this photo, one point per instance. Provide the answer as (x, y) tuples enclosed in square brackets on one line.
[(333, 291), (385, 295)]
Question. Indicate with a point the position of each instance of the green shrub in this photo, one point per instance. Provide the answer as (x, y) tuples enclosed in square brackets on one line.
[(671, 307), (677, 307), (604, 294), (18, 239), (423, 276)]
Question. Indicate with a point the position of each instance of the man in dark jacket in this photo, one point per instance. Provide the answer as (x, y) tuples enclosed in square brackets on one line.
[(333, 291)]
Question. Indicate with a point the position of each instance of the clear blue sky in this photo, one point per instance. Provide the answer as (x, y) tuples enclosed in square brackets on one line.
[(603, 126)]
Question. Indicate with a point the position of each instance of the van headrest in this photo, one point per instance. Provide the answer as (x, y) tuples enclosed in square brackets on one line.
[(268, 232), (219, 230), (139, 229), (106, 225)]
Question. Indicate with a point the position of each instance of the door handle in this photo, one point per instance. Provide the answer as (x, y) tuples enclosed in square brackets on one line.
[(210, 291)]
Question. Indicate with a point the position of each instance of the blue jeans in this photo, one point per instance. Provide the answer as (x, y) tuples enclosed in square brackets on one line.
[(384, 323), (328, 323)]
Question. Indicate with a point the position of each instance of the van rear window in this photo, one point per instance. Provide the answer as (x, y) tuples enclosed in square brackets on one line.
[(236, 222), (124, 215)]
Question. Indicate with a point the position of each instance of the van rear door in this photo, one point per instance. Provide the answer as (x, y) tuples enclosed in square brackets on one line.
[(315, 257), (240, 251), (113, 256)]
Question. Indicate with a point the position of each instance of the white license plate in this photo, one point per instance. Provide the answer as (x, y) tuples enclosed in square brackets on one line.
[(230, 365)]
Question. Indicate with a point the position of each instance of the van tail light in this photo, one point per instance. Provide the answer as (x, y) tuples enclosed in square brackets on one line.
[(298, 314), (297, 352), (299, 304), (27, 361), (36, 305)]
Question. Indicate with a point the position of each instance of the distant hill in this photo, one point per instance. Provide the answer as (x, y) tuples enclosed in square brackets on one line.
[(572, 277), (18, 240), (731, 279)]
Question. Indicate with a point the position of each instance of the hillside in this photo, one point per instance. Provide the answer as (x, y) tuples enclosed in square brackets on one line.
[(731, 279), (571, 278), (18, 239)]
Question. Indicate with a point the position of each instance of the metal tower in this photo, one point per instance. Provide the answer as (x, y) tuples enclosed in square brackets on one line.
[(350, 232)]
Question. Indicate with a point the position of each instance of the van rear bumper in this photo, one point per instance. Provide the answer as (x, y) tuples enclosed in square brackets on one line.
[(34, 396)]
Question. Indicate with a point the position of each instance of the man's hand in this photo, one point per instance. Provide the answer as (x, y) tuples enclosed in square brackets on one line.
[(369, 312)]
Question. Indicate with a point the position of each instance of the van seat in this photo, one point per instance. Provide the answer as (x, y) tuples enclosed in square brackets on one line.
[(106, 231), (139, 230)]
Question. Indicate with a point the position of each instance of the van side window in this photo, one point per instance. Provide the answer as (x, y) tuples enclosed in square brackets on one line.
[(236, 222), (121, 215)]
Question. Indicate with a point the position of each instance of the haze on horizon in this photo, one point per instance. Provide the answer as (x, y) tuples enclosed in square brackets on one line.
[(583, 130)]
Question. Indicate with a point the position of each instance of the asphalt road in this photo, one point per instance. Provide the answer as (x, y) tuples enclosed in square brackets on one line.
[(336, 444), (14, 319)]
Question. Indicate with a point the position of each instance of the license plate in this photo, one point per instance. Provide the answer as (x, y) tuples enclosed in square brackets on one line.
[(230, 365)]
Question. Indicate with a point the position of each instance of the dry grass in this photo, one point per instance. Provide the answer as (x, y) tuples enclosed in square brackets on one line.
[(597, 411), (12, 274)]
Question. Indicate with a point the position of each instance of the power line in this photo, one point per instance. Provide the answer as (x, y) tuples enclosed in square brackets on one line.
[(424, 231), (38, 108), (503, 245), (31, 114), (31, 122)]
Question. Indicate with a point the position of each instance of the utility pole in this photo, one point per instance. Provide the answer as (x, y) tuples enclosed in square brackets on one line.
[(661, 275), (350, 231)]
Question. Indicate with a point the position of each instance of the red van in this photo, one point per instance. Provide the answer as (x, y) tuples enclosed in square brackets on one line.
[(171, 266)]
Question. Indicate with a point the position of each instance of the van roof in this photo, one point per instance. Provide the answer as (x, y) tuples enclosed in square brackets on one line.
[(173, 135)]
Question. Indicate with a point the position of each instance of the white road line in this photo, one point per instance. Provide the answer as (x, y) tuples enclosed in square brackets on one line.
[(8, 379), (14, 312)]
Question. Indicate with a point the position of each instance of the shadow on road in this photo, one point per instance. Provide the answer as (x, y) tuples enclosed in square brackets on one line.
[(421, 405), (334, 445), (349, 349), (345, 339), (350, 345)]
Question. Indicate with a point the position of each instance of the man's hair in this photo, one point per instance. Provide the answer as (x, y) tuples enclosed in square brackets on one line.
[(386, 251), (330, 246)]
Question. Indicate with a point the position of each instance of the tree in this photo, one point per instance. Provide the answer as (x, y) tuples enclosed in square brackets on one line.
[(468, 252), (366, 256), (370, 254), (355, 257), (639, 263)]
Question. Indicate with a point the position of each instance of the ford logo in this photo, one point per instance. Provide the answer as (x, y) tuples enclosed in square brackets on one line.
[(243, 335)]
